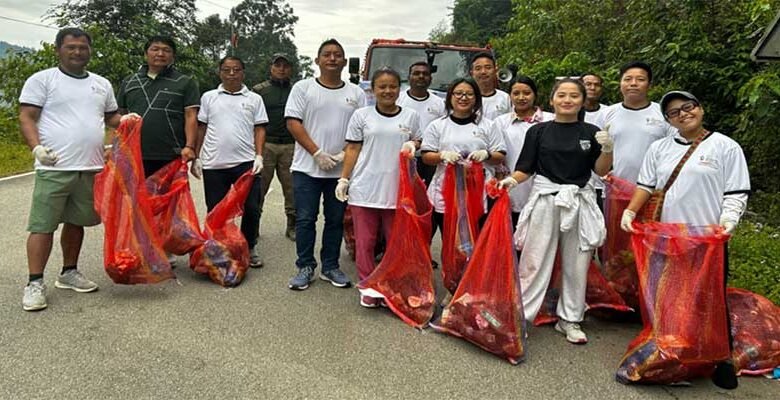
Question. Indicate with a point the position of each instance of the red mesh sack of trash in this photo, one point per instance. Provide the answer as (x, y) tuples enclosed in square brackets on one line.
[(132, 247), (349, 233), (404, 277), (486, 309), (755, 331), (224, 256), (683, 304), (463, 188), (173, 208), (599, 294), (616, 254)]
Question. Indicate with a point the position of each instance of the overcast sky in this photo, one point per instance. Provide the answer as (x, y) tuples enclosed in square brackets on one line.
[(353, 22)]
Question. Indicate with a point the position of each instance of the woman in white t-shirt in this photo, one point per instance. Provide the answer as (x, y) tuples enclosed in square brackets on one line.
[(712, 186), (513, 127), (369, 180), (462, 134)]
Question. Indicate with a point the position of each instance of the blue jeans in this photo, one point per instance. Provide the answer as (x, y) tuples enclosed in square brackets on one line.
[(307, 192)]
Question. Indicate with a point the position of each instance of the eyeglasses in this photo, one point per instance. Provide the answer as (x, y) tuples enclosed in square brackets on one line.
[(229, 70), (462, 95), (675, 112)]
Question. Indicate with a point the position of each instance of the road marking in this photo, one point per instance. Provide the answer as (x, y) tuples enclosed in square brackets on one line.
[(7, 178)]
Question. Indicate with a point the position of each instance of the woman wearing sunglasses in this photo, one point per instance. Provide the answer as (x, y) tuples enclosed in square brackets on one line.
[(712, 186)]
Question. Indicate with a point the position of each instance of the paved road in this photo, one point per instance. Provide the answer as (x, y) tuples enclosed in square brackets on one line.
[(194, 340)]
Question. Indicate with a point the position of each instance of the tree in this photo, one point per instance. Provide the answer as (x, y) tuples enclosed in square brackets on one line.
[(474, 22), (212, 36), (682, 44), (264, 27)]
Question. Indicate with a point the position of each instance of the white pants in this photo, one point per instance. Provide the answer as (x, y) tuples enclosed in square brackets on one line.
[(536, 263)]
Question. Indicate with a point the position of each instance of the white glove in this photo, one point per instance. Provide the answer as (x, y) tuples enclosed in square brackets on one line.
[(324, 160), (728, 225), (341, 190), (626, 220), (409, 146), (45, 155), (338, 157), (449, 157), (196, 169), (605, 140), (257, 167), (128, 116), (507, 183), (479, 155)]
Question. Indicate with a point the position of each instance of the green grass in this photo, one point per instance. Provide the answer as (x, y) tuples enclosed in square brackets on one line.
[(754, 259), (14, 158)]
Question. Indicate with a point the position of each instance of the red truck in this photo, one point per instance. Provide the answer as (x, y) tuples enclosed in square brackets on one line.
[(448, 61)]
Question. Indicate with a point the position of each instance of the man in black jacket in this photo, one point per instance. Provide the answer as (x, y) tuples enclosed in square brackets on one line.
[(279, 144)]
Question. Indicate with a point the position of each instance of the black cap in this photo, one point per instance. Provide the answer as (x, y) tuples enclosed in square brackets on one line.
[(676, 94), (279, 56)]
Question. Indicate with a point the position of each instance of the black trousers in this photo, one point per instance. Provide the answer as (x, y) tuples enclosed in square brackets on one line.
[(216, 184)]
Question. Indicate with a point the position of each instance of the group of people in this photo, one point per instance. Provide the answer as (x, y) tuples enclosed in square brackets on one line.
[(326, 145)]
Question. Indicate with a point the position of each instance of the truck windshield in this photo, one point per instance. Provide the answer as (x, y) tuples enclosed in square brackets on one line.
[(451, 64)]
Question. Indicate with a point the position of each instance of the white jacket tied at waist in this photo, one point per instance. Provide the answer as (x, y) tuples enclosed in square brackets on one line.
[(577, 204)]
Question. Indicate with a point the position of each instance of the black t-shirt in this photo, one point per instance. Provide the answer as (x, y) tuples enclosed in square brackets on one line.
[(564, 153)]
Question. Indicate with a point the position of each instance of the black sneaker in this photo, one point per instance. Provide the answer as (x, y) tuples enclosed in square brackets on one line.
[(725, 376)]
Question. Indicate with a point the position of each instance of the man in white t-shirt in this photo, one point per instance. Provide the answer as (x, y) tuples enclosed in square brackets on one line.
[(317, 113), (636, 122), (428, 106), (63, 112), (231, 134), (495, 102), (594, 109)]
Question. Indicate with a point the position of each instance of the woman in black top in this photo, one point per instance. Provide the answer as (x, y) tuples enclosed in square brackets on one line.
[(561, 210)]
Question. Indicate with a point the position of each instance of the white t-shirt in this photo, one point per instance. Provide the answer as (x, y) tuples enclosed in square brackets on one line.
[(633, 131), (230, 132), (374, 181), (513, 130), (596, 117), (72, 121), (325, 114), (716, 168), (445, 134), (497, 104), (429, 109)]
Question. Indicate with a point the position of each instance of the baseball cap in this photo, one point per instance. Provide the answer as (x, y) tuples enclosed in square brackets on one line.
[(676, 94), (277, 56)]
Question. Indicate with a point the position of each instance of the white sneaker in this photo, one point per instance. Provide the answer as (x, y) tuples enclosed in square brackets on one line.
[(34, 296), (255, 261), (572, 330)]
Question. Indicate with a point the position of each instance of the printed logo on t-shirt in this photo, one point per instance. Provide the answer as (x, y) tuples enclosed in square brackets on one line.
[(247, 106), (585, 145), (352, 102), (709, 162), (98, 90), (405, 130), (650, 121), (480, 133), (431, 110)]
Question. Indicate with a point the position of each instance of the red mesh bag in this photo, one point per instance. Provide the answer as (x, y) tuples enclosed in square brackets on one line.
[(174, 209), (683, 304), (404, 277), (486, 309), (616, 254), (132, 247), (224, 256), (349, 233), (599, 294), (755, 331), (463, 207)]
